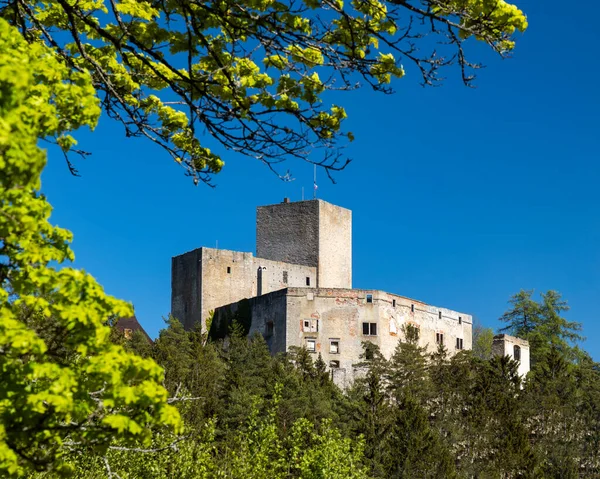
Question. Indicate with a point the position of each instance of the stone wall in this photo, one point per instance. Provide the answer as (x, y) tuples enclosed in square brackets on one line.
[(288, 232), (206, 278), (335, 246), (265, 315), (338, 315), (185, 287), (342, 312), (504, 345), (313, 233)]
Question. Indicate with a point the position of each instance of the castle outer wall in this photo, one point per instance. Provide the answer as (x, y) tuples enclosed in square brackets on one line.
[(333, 320), (207, 278)]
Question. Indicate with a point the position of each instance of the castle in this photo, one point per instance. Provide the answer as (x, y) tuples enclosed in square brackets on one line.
[(297, 291)]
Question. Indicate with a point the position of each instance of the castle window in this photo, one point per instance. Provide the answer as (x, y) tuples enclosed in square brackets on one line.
[(228, 269), (285, 277), (127, 333), (439, 338), (311, 345), (459, 343), (334, 346), (459, 320), (412, 308), (308, 281), (369, 298), (517, 353), (393, 303), (270, 328), (334, 364), (369, 329), (310, 325), (440, 314)]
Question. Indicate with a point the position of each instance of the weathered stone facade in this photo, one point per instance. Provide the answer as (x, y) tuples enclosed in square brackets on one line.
[(206, 278), (313, 233), (298, 292), (333, 320), (516, 348)]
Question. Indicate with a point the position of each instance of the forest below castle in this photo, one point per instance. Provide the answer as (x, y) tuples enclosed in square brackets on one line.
[(250, 415)]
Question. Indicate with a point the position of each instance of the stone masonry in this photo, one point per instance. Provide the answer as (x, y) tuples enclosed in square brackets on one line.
[(298, 292), (334, 322)]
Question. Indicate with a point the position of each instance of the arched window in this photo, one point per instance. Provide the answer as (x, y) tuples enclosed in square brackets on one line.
[(517, 353)]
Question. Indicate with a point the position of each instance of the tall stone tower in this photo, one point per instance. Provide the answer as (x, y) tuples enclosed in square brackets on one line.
[(312, 233)]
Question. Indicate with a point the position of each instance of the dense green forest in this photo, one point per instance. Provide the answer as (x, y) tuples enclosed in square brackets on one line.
[(250, 415)]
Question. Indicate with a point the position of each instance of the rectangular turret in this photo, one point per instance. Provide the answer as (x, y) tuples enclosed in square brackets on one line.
[(312, 233)]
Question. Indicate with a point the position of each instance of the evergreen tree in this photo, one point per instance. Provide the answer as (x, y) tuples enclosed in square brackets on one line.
[(370, 410), (415, 448), (524, 316), (139, 344), (542, 325), (173, 351), (406, 373)]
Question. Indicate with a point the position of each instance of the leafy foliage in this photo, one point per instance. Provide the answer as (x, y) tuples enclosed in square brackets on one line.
[(70, 385), (253, 74)]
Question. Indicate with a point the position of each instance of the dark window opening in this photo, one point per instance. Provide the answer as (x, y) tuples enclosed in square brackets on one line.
[(369, 329), (440, 314), (311, 326), (393, 303), (334, 364), (228, 269), (285, 277), (412, 308), (459, 343), (439, 338), (308, 281), (517, 353), (270, 328), (369, 298), (459, 320)]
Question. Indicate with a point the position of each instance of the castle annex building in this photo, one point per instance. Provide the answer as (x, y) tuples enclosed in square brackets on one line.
[(297, 291)]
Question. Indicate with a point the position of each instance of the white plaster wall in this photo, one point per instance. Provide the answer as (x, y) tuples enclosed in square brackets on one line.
[(505, 344), (335, 246), (341, 313)]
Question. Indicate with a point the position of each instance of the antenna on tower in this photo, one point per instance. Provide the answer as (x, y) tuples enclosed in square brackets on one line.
[(315, 184)]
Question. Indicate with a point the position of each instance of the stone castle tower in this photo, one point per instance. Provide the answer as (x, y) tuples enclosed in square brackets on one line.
[(300, 244)]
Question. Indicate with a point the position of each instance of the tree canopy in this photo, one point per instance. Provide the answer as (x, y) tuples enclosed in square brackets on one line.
[(65, 385), (252, 74)]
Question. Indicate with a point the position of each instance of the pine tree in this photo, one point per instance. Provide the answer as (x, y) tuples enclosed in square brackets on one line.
[(173, 351), (414, 447), (370, 410), (523, 317), (407, 374)]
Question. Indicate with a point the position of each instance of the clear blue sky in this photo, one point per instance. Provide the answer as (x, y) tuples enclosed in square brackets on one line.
[(460, 196)]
